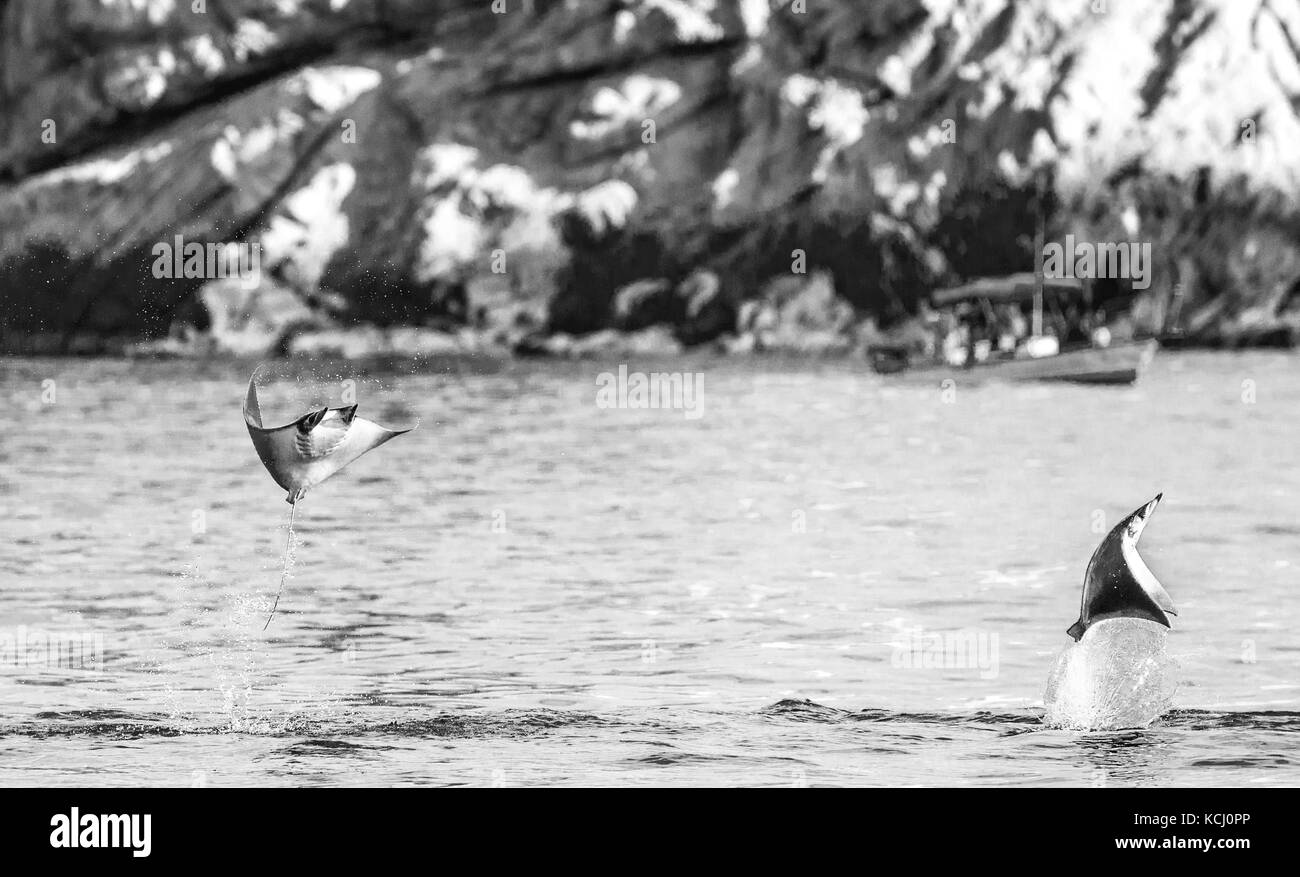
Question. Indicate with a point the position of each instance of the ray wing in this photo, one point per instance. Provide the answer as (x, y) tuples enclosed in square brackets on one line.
[(284, 458), (362, 436)]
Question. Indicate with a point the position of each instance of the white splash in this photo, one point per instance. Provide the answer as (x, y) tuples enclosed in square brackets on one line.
[(1119, 675)]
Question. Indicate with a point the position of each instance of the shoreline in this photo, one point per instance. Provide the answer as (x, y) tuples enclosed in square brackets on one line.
[(489, 352)]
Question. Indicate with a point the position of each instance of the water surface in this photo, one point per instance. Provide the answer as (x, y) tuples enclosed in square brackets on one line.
[(531, 589)]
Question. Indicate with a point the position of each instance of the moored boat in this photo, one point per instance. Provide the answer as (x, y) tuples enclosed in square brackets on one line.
[(1119, 363), (1088, 358)]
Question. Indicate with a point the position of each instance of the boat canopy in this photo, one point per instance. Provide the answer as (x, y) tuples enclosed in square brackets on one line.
[(999, 290)]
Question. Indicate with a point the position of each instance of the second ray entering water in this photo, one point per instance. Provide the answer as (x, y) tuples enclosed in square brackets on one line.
[(1118, 673)]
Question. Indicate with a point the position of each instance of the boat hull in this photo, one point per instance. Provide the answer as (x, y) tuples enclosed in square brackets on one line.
[(1116, 364)]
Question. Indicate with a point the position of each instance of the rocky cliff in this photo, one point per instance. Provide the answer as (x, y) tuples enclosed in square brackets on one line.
[(434, 175)]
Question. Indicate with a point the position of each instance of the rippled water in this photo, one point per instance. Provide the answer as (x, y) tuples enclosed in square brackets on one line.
[(531, 589)]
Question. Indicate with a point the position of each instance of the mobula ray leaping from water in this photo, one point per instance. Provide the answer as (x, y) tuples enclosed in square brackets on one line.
[(302, 454), (1117, 674)]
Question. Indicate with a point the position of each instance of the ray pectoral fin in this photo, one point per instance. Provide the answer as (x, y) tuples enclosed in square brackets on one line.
[(366, 435), (275, 447), (252, 411), (278, 451)]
